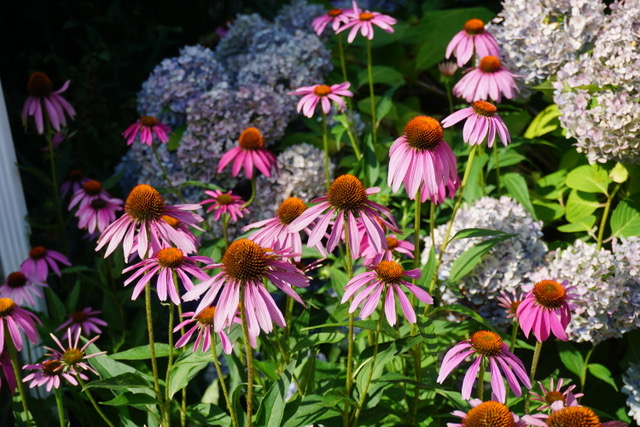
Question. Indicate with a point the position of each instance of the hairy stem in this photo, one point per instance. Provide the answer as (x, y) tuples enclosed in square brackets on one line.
[(249, 351), (223, 385)]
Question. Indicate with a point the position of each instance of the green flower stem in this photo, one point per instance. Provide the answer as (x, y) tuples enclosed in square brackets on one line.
[(249, 351), (325, 143), (61, 418), (223, 385), (152, 349), (514, 335), (605, 216), (373, 364), (343, 66), (374, 130), (532, 375), (417, 350), (173, 189), (350, 334), (94, 403), (56, 189), (583, 374), (447, 85), (497, 161), (481, 380), (13, 355), (170, 342), (253, 193)]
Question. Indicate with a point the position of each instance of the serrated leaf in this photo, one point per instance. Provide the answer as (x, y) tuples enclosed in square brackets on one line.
[(625, 219), (552, 186), (571, 357), (142, 352), (547, 210), (185, 368), (545, 122), (472, 256), (589, 178), (603, 373), (517, 188), (584, 224), (580, 205)]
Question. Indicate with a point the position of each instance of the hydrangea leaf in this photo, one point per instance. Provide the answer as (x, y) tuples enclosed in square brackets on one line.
[(580, 204), (625, 219), (545, 122), (589, 178)]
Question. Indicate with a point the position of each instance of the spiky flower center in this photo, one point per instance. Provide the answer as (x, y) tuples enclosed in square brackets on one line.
[(290, 209), (17, 279), (51, 367), (170, 257), (92, 187), (513, 307), (98, 204), (549, 294), (37, 252), (347, 193), (75, 175), (148, 121), (389, 271), (170, 220), (71, 356), (486, 343), (205, 317), (574, 416), (484, 108), (39, 85), (554, 396), (6, 306), (489, 414), (366, 16), (224, 199), (392, 243), (490, 64), (79, 316), (251, 139), (245, 261), (423, 133), (322, 90), (144, 203), (334, 12), (474, 26)]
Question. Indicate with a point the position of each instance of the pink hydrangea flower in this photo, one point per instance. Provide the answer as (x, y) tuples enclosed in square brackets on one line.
[(335, 17), (249, 153), (321, 94), (45, 104), (486, 345), (14, 318), (363, 21), (148, 127), (40, 261), (371, 257), (225, 204), (547, 308), (497, 412), (203, 323), (421, 159), (21, 289), (482, 121), (96, 215), (49, 374), (474, 38), (84, 320), (7, 370), (489, 80)]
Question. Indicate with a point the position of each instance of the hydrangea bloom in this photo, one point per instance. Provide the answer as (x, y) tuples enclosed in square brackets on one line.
[(631, 388), (298, 15)]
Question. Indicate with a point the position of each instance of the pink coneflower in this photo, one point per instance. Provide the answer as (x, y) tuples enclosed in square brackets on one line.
[(421, 157), (21, 288), (486, 345), (487, 414), (488, 80), (386, 277), (245, 264), (225, 203), (179, 226), (554, 398), (96, 215), (510, 302), (148, 126), (163, 265), (41, 260), (204, 325), (324, 94), (274, 232), (45, 104), (546, 308), (448, 68), (347, 200), (482, 122), (335, 17), (250, 152), (363, 20), (48, 374), (15, 318), (7, 370), (74, 182), (91, 190), (371, 257), (472, 39), (574, 416), (73, 358), (84, 320), (143, 212)]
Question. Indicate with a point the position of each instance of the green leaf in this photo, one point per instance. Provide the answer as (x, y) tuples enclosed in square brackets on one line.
[(466, 311), (571, 357), (58, 311), (335, 397), (545, 122), (208, 414), (547, 210), (142, 352), (625, 219), (381, 74), (477, 232), (185, 369), (122, 381), (472, 256), (473, 191), (372, 164), (317, 339), (309, 411), (130, 399), (429, 270), (268, 368), (603, 373), (619, 173), (517, 188), (271, 410), (580, 205), (584, 224), (72, 299), (552, 186), (175, 137), (589, 178)]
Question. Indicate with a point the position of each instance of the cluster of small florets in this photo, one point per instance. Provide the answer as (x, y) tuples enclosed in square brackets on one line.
[(597, 93), (504, 268), (298, 15), (627, 258), (631, 379), (537, 37)]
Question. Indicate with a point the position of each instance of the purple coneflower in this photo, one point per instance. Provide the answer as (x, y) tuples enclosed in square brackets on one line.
[(574, 416), (45, 103), (21, 288), (245, 265), (371, 257), (96, 215), (486, 346), (447, 68), (203, 324), (487, 414), (322, 94), (73, 358), (48, 374), (510, 302), (386, 277), (225, 203), (489, 80), (74, 182), (148, 127), (420, 157), (482, 121), (40, 260), (546, 308), (7, 370), (143, 213), (15, 318), (347, 200), (363, 20), (554, 398), (250, 152), (163, 265), (84, 320), (91, 190), (335, 17), (472, 39)]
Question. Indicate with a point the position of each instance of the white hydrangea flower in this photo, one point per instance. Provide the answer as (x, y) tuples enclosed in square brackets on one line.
[(631, 379), (627, 258)]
